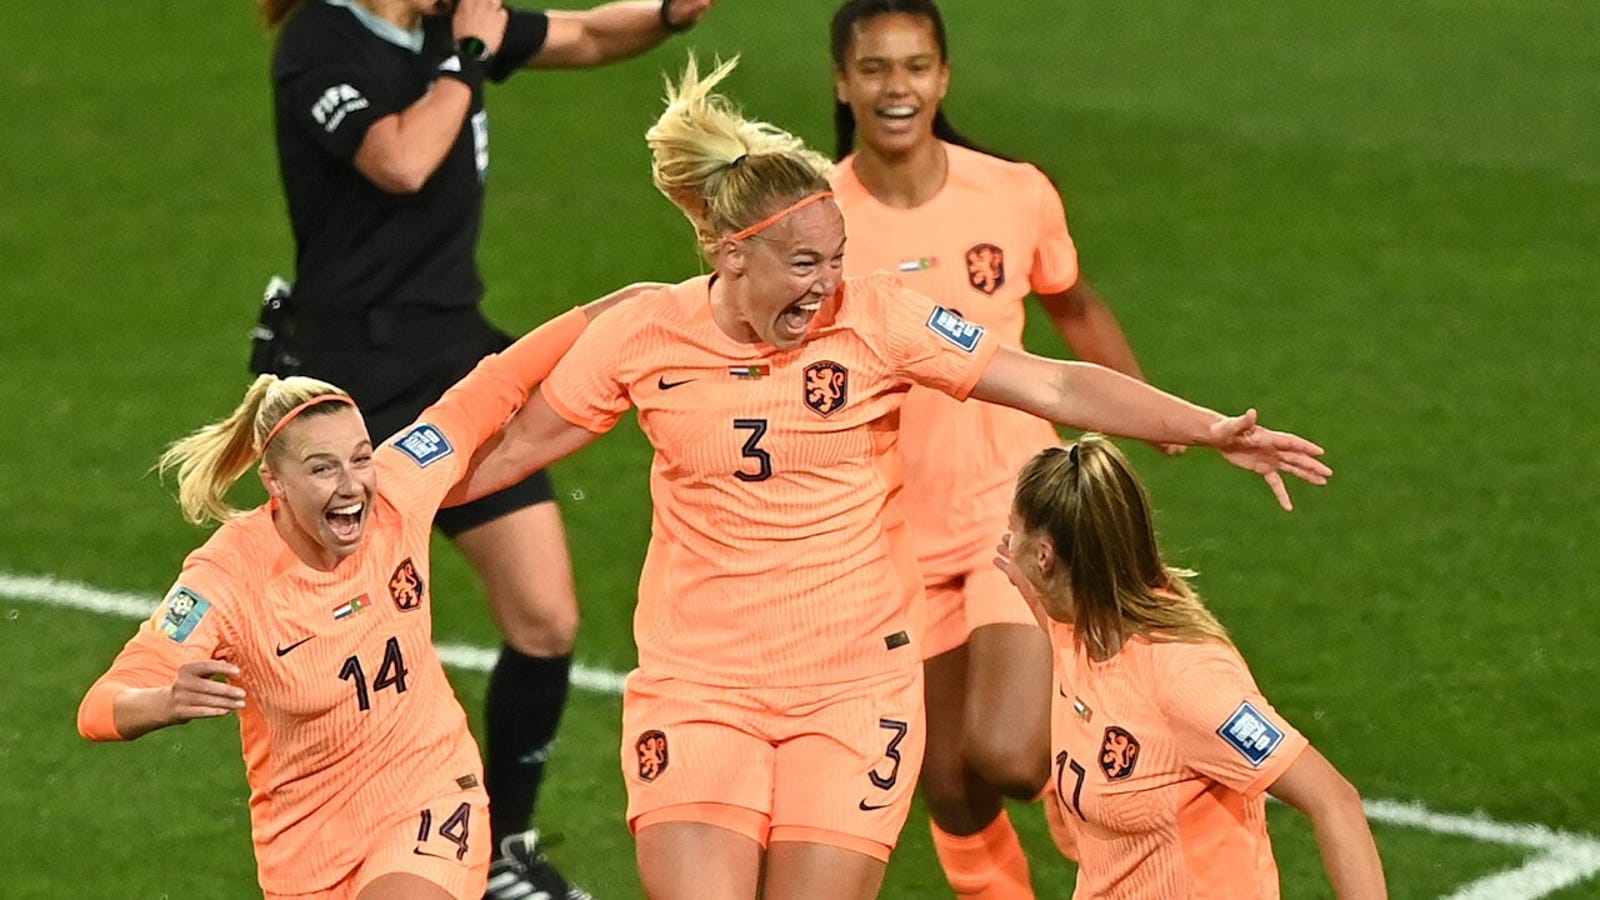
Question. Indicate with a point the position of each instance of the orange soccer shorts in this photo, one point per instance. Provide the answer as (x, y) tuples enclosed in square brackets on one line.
[(829, 764), (446, 842), (980, 595)]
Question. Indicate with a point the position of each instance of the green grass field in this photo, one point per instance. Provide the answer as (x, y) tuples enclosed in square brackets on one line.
[(1380, 223)]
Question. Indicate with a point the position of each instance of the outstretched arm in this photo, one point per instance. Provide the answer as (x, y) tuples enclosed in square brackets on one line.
[(1094, 398), (1091, 329), (1313, 786), (612, 31)]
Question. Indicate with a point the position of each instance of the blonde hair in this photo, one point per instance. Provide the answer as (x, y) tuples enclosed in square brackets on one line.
[(726, 172), (212, 458), (1090, 503)]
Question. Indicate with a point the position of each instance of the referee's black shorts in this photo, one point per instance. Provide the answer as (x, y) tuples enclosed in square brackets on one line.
[(395, 365)]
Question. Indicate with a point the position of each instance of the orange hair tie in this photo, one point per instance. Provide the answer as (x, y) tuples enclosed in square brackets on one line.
[(766, 223), (288, 416)]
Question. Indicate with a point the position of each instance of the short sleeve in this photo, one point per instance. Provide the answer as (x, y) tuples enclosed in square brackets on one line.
[(322, 88), (526, 31), (586, 388), (186, 627), (929, 344), (1055, 256), (1222, 726)]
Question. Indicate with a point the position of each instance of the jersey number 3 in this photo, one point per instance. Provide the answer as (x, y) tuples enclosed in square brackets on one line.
[(752, 450)]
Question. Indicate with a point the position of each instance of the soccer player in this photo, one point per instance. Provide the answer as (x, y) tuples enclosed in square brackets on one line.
[(315, 609), (773, 731), (383, 147), (1164, 746), (975, 233)]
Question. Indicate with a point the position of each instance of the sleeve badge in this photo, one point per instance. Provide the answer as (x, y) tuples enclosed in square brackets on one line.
[(185, 609), (1251, 733)]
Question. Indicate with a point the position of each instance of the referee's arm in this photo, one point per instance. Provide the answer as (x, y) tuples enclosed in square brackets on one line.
[(613, 31)]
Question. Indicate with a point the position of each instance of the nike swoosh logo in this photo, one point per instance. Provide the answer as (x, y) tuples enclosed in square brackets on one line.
[(869, 807), (666, 385), (284, 651), (421, 852), (1062, 691)]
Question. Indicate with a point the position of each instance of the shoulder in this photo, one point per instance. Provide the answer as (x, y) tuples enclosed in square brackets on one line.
[(314, 34), (871, 302), (659, 313), (1197, 665), (1024, 180), (225, 570)]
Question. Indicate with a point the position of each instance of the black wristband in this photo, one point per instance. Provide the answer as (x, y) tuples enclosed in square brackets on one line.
[(469, 70), (666, 20)]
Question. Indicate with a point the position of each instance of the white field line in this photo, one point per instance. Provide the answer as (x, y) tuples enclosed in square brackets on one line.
[(1560, 859)]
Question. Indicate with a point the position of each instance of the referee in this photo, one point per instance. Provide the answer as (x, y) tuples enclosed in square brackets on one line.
[(383, 147)]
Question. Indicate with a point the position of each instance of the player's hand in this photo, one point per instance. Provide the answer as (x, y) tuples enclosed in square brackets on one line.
[(1268, 453), (1170, 449), (195, 695), (684, 13), (1005, 562), (482, 19)]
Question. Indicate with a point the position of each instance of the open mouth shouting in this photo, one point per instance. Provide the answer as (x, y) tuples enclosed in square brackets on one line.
[(346, 522), (795, 320)]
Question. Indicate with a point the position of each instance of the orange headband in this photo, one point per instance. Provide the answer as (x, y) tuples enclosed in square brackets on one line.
[(766, 223), (289, 416)]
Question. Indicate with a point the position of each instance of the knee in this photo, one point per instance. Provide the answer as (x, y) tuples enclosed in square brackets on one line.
[(1016, 768), (944, 787), (536, 623)]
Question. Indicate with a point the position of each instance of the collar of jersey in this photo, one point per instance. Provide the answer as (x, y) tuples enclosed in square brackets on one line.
[(394, 34)]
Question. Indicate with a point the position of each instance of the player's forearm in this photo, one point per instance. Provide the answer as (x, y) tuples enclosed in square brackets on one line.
[(1092, 398), (535, 438), (140, 711), (1348, 851), (113, 711), (1091, 329), (402, 151)]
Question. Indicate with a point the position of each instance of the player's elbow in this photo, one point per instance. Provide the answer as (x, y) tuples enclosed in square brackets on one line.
[(1335, 800)]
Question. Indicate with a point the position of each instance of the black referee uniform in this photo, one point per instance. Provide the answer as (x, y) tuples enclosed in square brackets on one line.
[(387, 288)]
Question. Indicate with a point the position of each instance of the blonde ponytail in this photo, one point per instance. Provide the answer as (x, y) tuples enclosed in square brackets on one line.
[(212, 458), (726, 172), (1090, 502)]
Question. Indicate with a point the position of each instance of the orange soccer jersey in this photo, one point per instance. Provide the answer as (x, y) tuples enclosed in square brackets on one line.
[(994, 231), (349, 725), (776, 555), (1162, 757)]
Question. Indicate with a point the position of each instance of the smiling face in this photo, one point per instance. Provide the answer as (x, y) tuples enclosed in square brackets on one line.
[(893, 78), (319, 470), (785, 273)]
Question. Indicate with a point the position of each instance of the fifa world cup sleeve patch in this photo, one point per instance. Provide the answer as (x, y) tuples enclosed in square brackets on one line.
[(185, 609), (950, 326), (425, 445), (1251, 733)]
